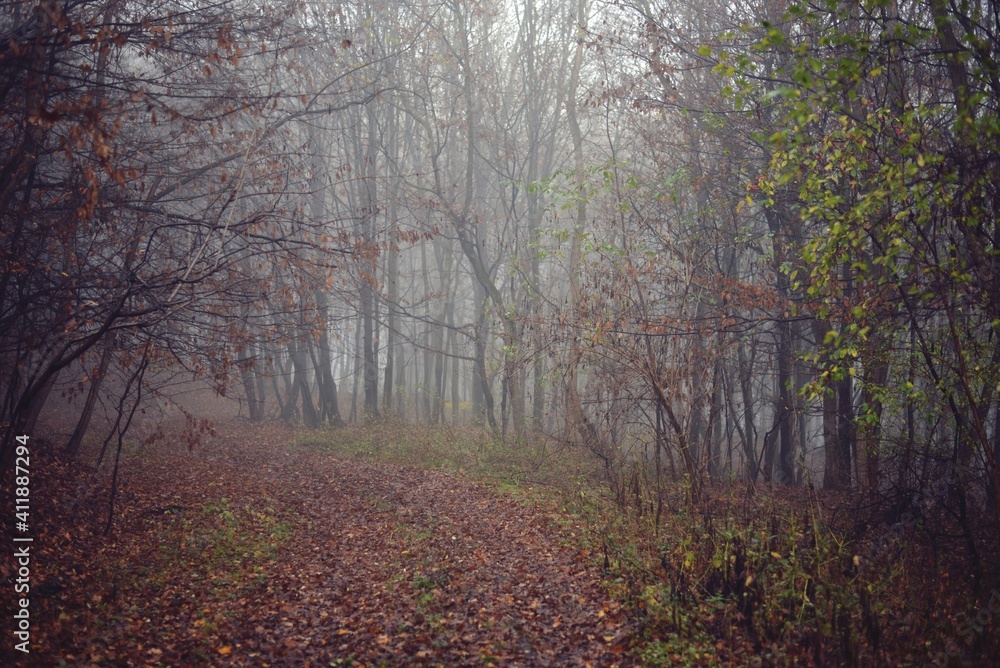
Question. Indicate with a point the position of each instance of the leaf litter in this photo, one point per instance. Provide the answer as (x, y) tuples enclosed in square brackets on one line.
[(248, 551)]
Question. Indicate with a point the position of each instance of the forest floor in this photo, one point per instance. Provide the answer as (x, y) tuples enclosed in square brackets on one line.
[(252, 549), (390, 544)]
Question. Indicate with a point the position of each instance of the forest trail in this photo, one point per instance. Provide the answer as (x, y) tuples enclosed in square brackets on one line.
[(252, 551)]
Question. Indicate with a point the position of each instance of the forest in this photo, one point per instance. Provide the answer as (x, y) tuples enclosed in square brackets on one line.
[(324, 323)]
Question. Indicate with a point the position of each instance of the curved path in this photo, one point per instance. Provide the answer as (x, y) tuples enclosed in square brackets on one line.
[(378, 565)]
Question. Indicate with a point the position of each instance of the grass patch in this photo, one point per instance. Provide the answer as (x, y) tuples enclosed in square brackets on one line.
[(506, 464)]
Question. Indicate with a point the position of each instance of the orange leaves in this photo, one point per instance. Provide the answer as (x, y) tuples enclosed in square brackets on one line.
[(101, 147), (163, 34)]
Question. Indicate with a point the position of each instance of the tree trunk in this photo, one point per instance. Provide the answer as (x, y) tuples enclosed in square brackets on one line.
[(481, 381), (713, 431), (833, 473), (388, 388), (309, 415), (746, 398), (845, 430), (512, 373), (784, 405), (328, 400), (358, 366), (96, 380), (876, 372), (34, 410), (249, 388), (453, 344), (577, 427), (369, 264)]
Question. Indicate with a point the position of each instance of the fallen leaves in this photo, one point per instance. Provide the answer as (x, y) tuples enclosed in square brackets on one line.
[(270, 555)]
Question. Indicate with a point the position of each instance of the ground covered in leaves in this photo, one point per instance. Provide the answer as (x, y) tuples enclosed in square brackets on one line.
[(374, 545), (252, 550)]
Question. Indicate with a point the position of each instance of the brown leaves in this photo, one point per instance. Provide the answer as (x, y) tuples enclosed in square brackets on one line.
[(371, 561)]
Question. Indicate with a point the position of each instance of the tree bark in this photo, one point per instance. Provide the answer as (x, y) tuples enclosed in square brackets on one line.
[(97, 378)]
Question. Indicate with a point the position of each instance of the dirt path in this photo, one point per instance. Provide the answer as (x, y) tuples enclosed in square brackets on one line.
[(316, 560)]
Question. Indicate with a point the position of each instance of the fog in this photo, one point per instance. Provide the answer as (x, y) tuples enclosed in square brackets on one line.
[(723, 241)]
